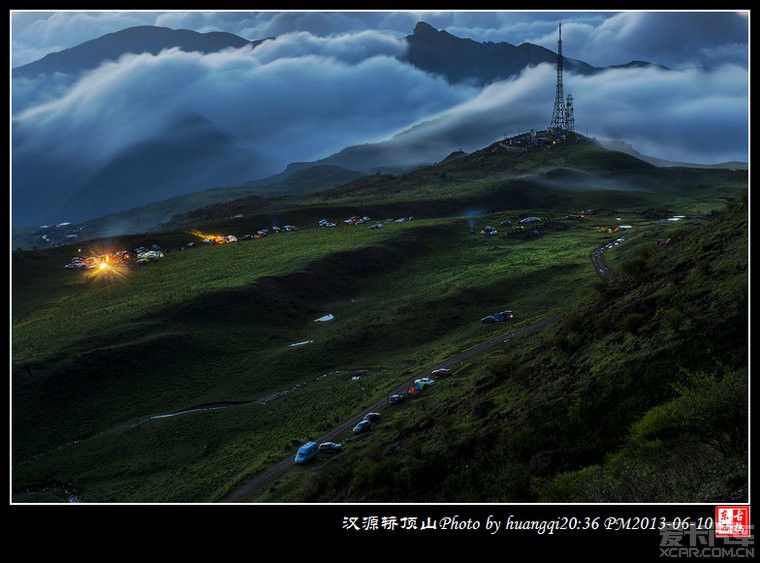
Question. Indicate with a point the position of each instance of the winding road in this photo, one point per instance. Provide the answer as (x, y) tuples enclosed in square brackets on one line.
[(282, 467)]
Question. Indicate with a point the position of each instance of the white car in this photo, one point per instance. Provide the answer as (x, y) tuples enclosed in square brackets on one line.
[(362, 426), (424, 381)]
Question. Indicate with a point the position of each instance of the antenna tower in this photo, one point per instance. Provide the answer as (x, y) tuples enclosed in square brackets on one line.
[(559, 116)]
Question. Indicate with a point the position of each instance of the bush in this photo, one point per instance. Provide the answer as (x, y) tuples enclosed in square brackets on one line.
[(632, 323), (707, 408), (674, 318)]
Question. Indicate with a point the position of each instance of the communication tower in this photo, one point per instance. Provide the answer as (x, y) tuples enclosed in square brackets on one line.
[(559, 114)]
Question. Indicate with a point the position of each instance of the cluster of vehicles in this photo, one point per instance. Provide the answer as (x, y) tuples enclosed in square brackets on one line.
[(138, 257), (361, 220), (311, 448), (261, 233), (275, 230), (418, 385)]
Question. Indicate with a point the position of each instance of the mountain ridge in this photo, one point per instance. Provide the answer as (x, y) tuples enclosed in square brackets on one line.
[(466, 60), (135, 40)]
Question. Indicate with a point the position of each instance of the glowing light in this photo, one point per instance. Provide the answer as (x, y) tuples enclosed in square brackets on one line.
[(214, 238), (103, 266)]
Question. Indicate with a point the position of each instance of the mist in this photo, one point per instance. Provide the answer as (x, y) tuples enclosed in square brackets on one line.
[(306, 95)]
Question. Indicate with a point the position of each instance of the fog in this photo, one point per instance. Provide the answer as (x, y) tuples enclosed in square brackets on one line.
[(335, 83)]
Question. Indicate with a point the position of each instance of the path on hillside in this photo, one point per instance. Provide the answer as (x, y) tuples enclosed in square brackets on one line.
[(282, 467), (598, 260)]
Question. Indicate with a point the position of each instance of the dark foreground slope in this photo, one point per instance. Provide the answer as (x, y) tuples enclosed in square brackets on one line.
[(640, 395)]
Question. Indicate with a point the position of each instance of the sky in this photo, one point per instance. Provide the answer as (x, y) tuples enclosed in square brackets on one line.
[(674, 39), (332, 80)]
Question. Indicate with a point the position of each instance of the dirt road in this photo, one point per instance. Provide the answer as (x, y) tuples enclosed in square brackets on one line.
[(282, 467)]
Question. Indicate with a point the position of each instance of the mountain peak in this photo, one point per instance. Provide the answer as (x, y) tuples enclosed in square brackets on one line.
[(423, 28), (137, 39)]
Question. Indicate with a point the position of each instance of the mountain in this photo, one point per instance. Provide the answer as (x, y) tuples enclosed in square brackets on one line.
[(187, 155), (139, 39), (627, 148), (302, 176), (177, 151), (465, 60)]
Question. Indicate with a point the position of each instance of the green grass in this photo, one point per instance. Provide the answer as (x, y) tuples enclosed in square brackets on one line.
[(94, 357), (595, 409), (165, 338)]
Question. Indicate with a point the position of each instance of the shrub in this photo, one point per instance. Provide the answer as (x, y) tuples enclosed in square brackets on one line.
[(632, 322)]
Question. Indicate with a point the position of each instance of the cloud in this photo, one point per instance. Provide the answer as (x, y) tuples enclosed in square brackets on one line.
[(673, 39), (295, 107), (687, 116), (282, 108), (305, 96), (351, 48)]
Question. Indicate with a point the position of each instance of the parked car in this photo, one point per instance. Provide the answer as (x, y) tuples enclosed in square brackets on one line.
[(395, 398), (330, 447), (424, 381), (499, 317), (362, 426), (441, 372), (306, 452), (372, 416)]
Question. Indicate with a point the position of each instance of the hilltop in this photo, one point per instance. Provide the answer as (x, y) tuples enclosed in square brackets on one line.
[(512, 174), (507, 174)]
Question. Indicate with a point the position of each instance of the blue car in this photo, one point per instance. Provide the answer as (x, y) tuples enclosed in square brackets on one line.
[(306, 452)]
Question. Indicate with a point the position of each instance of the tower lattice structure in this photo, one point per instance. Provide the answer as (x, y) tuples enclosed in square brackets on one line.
[(569, 114), (559, 113)]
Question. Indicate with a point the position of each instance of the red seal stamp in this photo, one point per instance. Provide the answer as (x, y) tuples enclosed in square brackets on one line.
[(732, 522)]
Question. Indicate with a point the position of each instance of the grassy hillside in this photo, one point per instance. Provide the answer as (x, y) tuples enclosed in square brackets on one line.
[(100, 361), (574, 176), (640, 394)]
